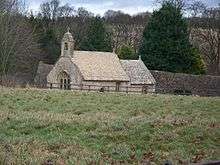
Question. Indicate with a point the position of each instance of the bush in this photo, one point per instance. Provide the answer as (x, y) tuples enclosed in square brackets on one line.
[(127, 52)]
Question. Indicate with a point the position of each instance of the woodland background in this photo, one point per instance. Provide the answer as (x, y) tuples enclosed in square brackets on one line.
[(27, 38)]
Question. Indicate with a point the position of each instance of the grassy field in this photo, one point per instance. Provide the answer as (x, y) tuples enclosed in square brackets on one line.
[(39, 126)]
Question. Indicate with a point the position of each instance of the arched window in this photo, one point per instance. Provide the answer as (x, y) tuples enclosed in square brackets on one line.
[(66, 46), (64, 79)]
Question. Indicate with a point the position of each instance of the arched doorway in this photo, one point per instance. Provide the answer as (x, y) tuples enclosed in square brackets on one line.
[(64, 81)]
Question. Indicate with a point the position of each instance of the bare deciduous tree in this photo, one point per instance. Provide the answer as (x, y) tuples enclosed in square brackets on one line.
[(124, 34), (17, 44), (205, 34), (52, 10), (66, 11)]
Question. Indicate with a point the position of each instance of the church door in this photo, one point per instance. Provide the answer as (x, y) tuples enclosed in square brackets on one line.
[(117, 86)]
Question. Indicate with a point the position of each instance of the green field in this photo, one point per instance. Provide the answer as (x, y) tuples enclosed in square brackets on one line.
[(68, 127)]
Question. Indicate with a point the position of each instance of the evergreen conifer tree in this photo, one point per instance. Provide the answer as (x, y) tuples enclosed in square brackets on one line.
[(166, 44), (97, 37), (50, 46)]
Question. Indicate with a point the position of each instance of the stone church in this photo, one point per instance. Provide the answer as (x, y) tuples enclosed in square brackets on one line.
[(94, 70)]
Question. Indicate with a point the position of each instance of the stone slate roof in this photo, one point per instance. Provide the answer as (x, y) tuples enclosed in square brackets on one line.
[(138, 72), (42, 72), (99, 66)]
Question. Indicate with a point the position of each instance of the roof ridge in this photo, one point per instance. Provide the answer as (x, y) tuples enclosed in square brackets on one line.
[(93, 51)]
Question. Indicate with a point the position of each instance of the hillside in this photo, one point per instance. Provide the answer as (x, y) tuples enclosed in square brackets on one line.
[(39, 126)]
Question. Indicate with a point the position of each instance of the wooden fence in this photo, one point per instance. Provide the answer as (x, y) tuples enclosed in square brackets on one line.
[(99, 88)]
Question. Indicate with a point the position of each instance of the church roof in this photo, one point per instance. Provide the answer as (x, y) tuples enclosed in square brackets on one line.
[(138, 72), (99, 66)]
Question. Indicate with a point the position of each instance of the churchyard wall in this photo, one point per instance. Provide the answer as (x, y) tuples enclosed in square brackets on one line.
[(178, 83)]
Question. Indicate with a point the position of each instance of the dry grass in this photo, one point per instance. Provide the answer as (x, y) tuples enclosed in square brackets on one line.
[(65, 127)]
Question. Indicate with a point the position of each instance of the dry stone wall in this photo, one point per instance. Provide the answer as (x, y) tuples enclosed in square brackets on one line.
[(177, 83)]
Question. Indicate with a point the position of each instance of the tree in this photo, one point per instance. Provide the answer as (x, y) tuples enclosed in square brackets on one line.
[(50, 9), (180, 4), (51, 23), (83, 13), (98, 38), (50, 46), (166, 44), (66, 11), (205, 34), (127, 52), (117, 17), (18, 46)]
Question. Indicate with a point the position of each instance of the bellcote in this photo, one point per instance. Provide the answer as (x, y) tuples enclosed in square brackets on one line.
[(67, 45)]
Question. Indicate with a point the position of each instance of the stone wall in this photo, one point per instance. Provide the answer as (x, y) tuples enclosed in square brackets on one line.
[(177, 83), (64, 65)]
